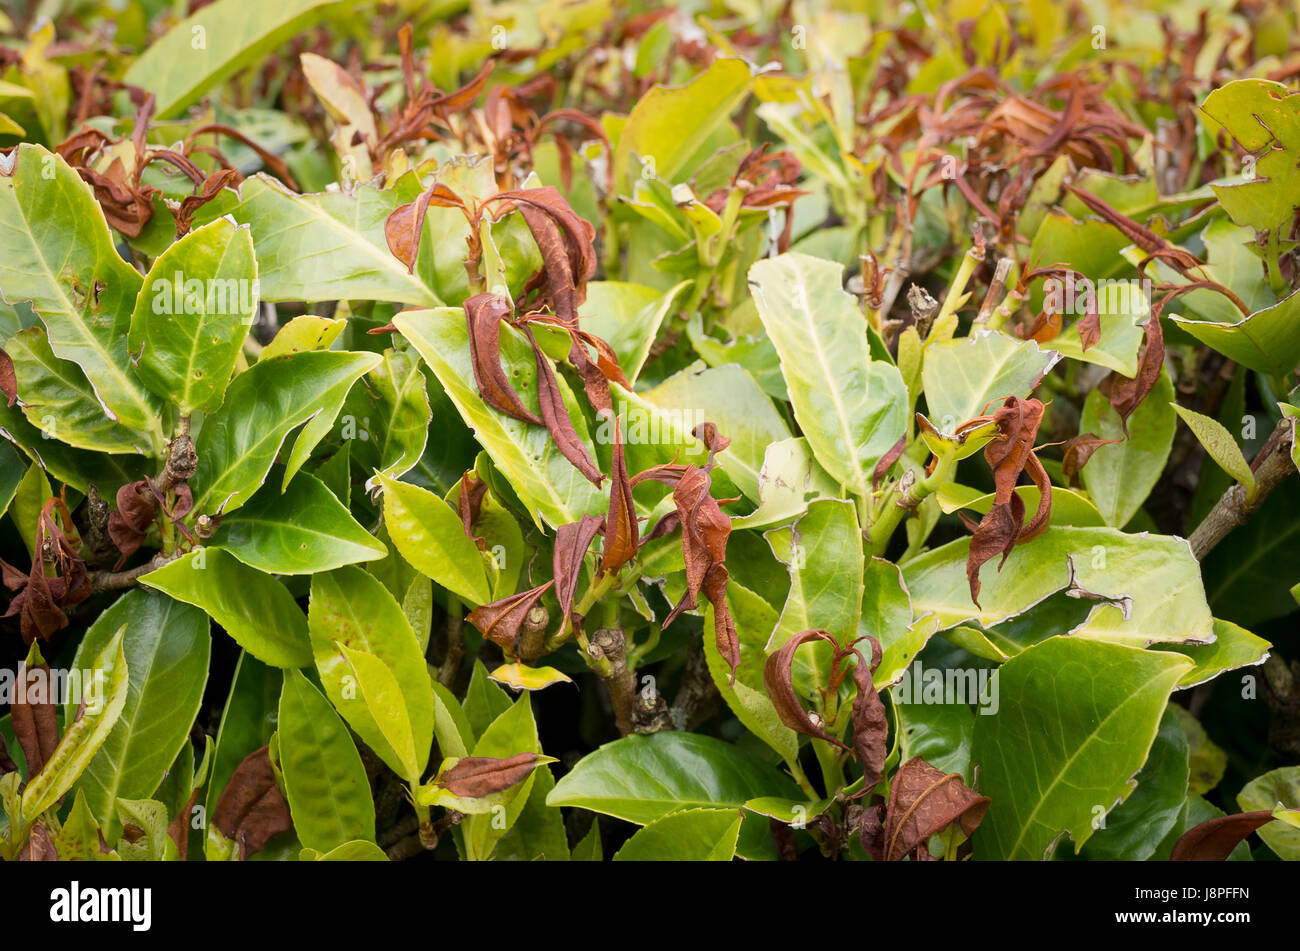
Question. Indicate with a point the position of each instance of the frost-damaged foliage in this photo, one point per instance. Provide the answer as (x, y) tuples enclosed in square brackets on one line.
[(865, 435)]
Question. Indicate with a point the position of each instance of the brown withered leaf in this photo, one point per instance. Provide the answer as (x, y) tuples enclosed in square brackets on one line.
[(7, 764), (995, 534), (1146, 239), (778, 678), (622, 535), (924, 800), (1077, 451), (1089, 328), (725, 636), (251, 808), (887, 462), (474, 777), (178, 830), (41, 597), (1009, 454), (405, 224), (870, 726), (555, 416), (566, 241), (483, 315), (501, 620), (1126, 394), (34, 719), (1214, 839), (469, 503), (787, 849), (212, 186), (8, 378), (571, 544), (871, 832), (130, 521), (40, 846)]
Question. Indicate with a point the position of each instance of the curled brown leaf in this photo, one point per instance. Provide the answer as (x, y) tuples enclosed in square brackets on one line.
[(483, 315), (34, 719), (501, 620), (778, 678), (1126, 394), (571, 544)]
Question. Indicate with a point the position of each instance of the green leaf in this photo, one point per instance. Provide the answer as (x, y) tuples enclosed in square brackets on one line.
[(217, 42), (304, 332), (546, 482), (254, 608), (1264, 118), (379, 691), (166, 646), (1233, 647), (239, 442), (668, 124), (247, 723), (693, 835), (1120, 476), (539, 832), (353, 619), (887, 616), (823, 551), (939, 733), (1265, 792), (59, 401), (78, 839), (963, 375), (327, 246), (789, 479), (79, 468), (728, 397), (301, 532), (429, 534), (392, 405), (193, 314), (57, 252), (851, 408), (81, 738), (357, 851), (148, 819), (747, 698), (642, 778), (628, 318), (1147, 588), (1134, 830), (1075, 722), (484, 702), (1265, 340), (324, 779)]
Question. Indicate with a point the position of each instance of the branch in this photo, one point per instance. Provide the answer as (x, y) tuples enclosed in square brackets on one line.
[(101, 581), (646, 712), (1271, 465)]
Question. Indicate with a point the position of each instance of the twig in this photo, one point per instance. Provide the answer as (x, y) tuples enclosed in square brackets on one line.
[(455, 645), (1234, 508), (101, 581)]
